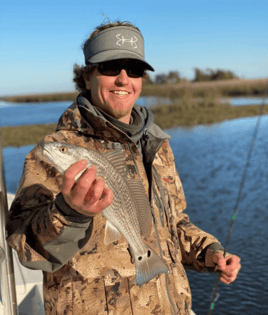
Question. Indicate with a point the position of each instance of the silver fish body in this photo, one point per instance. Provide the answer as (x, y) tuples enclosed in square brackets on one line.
[(127, 214)]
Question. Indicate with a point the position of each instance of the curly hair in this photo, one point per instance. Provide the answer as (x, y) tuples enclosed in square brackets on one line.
[(81, 71)]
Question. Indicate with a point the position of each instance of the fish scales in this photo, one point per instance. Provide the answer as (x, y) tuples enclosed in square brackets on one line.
[(115, 213), (121, 215)]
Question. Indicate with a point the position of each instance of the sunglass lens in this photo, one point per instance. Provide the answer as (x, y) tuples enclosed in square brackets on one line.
[(135, 71), (109, 68), (113, 68)]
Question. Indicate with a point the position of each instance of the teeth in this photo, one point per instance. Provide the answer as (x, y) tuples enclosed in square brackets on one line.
[(120, 92)]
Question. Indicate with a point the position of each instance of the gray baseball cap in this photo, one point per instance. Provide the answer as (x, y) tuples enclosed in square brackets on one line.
[(118, 42)]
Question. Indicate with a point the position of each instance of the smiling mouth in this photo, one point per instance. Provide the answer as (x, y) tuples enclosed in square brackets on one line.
[(120, 92)]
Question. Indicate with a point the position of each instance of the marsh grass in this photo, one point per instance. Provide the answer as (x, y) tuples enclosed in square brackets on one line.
[(25, 135), (223, 88), (36, 98), (197, 113), (185, 113), (236, 87)]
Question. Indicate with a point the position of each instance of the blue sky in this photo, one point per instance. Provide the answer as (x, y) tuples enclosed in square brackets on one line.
[(41, 40)]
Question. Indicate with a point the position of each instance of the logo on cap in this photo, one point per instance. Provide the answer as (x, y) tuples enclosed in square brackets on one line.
[(122, 40)]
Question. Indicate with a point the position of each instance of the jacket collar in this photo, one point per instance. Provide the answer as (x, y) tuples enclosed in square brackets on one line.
[(149, 127)]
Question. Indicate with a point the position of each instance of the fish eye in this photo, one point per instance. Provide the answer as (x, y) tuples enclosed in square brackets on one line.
[(63, 149)]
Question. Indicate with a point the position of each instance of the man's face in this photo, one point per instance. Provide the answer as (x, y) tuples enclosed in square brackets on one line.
[(116, 95)]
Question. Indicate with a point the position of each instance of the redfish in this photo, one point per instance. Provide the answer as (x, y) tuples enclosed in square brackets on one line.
[(129, 213)]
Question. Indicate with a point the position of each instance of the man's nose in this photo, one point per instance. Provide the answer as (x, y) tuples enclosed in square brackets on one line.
[(122, 78)]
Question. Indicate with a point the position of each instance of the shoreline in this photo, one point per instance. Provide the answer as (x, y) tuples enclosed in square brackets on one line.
[(189, 89), (184, 114)]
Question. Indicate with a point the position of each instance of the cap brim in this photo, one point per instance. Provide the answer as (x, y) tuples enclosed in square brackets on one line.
[(118, 54)]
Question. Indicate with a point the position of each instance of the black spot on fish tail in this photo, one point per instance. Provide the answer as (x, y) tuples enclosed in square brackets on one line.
[(148, 266)]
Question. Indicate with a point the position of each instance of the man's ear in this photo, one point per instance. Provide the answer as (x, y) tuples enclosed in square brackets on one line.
[(87, 81)]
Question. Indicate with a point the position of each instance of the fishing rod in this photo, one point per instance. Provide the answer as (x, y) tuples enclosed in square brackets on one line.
[(214, 295), (8, 299)]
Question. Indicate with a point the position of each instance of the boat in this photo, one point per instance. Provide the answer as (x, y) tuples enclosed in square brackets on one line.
[(28, 287)]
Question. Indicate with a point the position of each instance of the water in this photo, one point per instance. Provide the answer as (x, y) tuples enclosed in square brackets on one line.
[(45, 113), (210, 160), (31, 113), (13, 165), (242, 101)]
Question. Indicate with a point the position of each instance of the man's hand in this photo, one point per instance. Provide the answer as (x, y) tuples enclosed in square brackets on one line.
[(88, 195), (229, 265)]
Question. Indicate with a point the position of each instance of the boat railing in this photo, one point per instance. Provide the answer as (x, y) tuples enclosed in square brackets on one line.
[(8, 299)]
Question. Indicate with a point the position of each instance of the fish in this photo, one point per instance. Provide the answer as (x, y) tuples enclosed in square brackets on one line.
[(129, 214)]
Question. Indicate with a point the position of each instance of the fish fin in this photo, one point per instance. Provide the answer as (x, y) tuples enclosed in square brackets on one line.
[(148, 266), (111, 233), (117, 159), (142, 204)]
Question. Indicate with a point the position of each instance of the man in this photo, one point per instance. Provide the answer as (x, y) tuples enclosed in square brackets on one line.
[(55, 222)]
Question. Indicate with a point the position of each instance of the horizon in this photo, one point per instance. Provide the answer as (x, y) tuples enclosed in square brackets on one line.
[(42, 40)]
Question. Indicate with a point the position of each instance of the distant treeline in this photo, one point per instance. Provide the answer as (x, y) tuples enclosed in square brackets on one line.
[(174, 77)]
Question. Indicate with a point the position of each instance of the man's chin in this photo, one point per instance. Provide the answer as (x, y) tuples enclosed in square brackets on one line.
[(117, 113)]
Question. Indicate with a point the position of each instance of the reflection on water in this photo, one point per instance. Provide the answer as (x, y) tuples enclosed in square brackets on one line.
[(210, 160)]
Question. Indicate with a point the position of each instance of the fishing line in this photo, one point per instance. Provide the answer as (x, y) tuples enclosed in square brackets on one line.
[(215, 295)]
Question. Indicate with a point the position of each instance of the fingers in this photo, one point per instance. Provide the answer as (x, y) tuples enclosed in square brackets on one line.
[(107, 199), (98, 205), (227, 280), (69, 175), (95, 192), (229, 277), (229, 262), (88, 195), (229, 265), (85, 187), (229, 274)]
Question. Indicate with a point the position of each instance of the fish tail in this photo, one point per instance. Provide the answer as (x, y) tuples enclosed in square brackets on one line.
[(148, 266)]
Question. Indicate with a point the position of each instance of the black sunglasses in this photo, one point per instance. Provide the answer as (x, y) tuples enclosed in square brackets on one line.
[(134, 69)]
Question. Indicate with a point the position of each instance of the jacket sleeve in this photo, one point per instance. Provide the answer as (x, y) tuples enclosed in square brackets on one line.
[(193, 242), (45, 232)]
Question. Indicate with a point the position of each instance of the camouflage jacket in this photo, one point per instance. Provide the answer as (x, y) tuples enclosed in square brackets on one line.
[(81, 273)]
